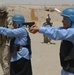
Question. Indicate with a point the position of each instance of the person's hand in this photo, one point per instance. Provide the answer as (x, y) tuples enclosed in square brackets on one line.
[(34, 29)]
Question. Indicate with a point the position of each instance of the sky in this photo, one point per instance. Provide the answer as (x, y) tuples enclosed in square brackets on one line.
[(41, 2)]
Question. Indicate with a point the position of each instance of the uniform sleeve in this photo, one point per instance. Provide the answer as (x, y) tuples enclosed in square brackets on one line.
[(57, 33), (12, 32), (9, 22)]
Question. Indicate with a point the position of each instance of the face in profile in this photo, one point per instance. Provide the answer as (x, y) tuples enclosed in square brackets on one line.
[(65, 22), (14, 24)]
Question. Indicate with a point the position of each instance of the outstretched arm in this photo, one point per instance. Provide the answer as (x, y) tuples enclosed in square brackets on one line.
[(54, 33)]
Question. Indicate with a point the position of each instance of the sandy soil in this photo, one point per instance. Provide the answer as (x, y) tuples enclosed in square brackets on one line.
[(45, 57)]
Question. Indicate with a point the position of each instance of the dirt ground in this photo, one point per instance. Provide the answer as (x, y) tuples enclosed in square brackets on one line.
[(45, 57)]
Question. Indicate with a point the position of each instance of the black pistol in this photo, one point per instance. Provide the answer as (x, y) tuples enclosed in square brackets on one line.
[(28, 24)]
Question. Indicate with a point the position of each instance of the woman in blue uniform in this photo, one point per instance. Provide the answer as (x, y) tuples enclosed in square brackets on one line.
[(20, 47), (64, 33)]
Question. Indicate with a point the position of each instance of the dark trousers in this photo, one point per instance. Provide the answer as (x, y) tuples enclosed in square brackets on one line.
[(21, 67)]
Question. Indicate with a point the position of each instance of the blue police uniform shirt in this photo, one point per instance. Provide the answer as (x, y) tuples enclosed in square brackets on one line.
[(58, 33), (21, 38)]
